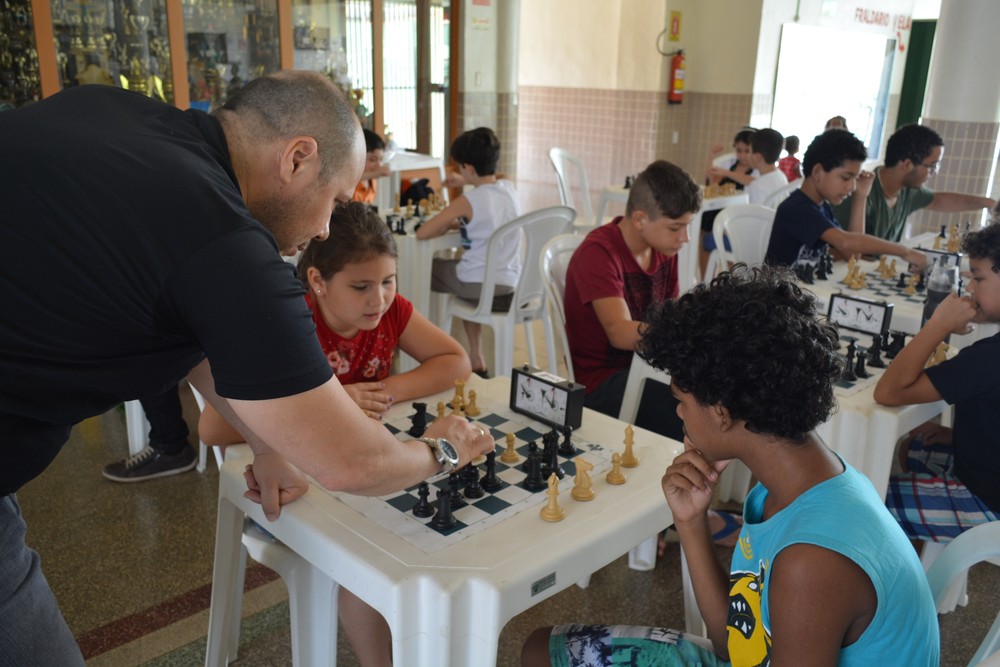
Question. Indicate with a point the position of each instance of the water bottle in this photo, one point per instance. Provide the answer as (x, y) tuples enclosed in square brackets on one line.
[(940, 284)]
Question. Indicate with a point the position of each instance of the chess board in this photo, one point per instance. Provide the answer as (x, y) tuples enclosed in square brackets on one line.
[(393, 511), (886, 289), (843, 388)]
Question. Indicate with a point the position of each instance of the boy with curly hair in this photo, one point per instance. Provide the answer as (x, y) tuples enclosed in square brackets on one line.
[(822, 573), (951, 482)]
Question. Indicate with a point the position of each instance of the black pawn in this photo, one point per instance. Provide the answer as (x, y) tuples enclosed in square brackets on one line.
[(848, 374), (942, 234), (567, 448), (423, 508), (532, 449), (901, 283), (534, 481), (418, 420), (859, 366), (490, 481), (444, 519), (473, 489), (400, 226), (821, 270), (454, 482), (920, 283), (875, 353)]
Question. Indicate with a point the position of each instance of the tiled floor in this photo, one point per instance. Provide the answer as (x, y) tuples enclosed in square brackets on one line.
[(131, 566)]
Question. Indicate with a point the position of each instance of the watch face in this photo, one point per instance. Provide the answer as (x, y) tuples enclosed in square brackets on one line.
[(859, 314), (448, 450)]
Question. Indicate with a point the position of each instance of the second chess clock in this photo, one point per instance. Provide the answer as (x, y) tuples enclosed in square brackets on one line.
[(546, 397)]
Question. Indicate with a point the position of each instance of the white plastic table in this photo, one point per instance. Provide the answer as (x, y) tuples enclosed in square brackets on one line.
[(388, 186), (448, 608)]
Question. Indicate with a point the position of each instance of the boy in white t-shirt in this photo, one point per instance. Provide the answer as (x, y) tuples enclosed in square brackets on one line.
[(477, 214), (765, 149)]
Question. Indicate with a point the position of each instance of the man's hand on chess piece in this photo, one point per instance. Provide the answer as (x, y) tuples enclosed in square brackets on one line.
[(688, 484), (370, 397), (955, 314), (272, 482), (470, 440)]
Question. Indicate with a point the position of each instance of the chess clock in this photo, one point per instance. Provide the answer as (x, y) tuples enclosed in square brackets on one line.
[(546, 397), (857, 314)]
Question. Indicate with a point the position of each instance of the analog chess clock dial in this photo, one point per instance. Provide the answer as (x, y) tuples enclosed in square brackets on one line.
[(857, 314), (546, 397)]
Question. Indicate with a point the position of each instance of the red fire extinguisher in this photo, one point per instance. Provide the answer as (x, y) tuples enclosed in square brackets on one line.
[(675, 93)]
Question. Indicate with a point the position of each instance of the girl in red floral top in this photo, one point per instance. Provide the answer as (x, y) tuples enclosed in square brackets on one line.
[(360, 321)]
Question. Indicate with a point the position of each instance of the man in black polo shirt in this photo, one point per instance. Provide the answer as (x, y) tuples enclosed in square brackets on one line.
[(140, 244)]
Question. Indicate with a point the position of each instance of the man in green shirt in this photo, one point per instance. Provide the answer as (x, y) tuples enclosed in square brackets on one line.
[(912, 154)]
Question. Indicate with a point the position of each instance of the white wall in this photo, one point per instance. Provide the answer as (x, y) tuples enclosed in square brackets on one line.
[(602, 44)]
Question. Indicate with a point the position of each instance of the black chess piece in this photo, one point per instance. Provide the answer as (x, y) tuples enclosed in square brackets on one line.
[(808, 271), (532, 449), (821, 273), (901, 283), (567, 448), (473, 489), (423, 508), (443, 519), (942, 234), (400, 226), (490, 481), (534, 481), (897, 344), (859, 366), (921, 284), (848, 374), (628, 182), (875, 353), (454, 495), (418, 420), (550, 456)]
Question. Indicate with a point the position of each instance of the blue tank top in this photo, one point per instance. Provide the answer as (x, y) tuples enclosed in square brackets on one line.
[(845, 515)]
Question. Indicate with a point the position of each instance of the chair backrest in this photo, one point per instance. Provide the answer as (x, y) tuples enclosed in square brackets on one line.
[(748, 228), (782, 193), (556, 254), (563, 161), (529, 294), (975, 545), (725, 160)]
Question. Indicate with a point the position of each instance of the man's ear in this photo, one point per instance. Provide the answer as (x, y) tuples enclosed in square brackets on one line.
[(299, 155)]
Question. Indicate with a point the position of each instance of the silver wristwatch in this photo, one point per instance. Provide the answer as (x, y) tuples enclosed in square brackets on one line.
[(444, 452)]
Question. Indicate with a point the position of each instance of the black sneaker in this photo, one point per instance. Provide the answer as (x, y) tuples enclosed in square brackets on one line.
[(150, 464)]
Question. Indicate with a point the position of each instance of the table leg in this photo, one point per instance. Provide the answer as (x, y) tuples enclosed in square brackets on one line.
[(421, 624), (227, 583), (475, 633)]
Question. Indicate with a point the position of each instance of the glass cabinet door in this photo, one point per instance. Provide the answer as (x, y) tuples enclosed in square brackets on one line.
[(19, 79), (229, 42), (113, 42)]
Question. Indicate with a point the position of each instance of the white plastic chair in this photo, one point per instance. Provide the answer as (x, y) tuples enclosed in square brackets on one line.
[(556, 254), (782, 193), (529, 303), (563, 161), (975, 545), (748, 228)]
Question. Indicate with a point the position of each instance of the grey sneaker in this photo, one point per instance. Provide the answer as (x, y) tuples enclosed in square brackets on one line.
[(150, 464)]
